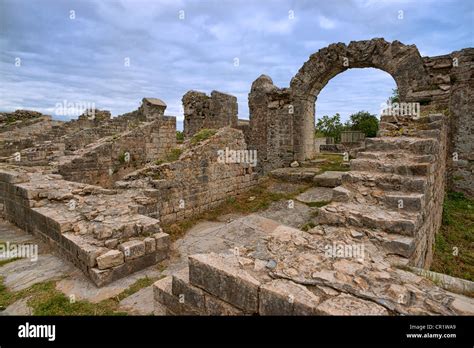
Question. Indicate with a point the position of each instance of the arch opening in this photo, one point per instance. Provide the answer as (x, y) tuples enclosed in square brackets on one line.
[(349, 105), (402, 62)]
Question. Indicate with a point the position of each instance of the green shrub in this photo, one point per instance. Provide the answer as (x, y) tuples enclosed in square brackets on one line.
[(173, 155), (179, 136)]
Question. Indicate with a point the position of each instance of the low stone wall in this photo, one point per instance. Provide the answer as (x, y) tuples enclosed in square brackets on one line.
[(214, 112), (195, 183)]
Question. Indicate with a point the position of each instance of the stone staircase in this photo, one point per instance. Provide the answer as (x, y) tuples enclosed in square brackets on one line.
[(389, 190)]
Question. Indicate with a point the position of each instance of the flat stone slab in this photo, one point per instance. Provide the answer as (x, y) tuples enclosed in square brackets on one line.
[(316, 195), (139, 303), (11, 233), (22, 274), (19, 307), (209, 236), (297, 174), (82, 288), (329, 179), (294, 214)]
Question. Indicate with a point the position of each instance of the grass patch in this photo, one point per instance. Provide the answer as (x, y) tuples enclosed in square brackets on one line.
[(456, 233), (4, 262), (333, 163), (307, 226), (122, 158), (202, 135), (317, 204), (256, 199), (171, 156), (46, 300)]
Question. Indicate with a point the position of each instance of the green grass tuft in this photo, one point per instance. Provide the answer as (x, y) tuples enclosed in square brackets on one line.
[(202, 135)]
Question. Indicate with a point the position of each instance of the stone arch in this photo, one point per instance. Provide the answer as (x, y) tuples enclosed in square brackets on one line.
[(402, 62)]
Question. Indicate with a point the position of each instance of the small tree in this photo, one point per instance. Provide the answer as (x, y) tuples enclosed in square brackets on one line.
[(365, 122), (330, 127)]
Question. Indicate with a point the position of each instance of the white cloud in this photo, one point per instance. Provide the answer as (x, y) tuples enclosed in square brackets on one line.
[(326, 23)]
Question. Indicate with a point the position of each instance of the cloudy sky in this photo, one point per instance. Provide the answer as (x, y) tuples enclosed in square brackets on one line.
[(115, 52)]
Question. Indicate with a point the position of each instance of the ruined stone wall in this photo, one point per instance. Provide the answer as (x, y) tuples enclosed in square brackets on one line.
[(461, 110), (244, 126), (214, 112), (454, 75), (19, 129), (451, 92), (104, 162), (196, 182), (271, 124)]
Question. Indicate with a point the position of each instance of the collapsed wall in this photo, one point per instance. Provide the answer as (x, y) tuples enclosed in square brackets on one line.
[(110, 158), (214, 112), (200, 180), (19, 129)]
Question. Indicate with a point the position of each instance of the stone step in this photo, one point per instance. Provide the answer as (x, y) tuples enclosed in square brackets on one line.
[(434, 118), (224, 278), (328, 179), (395, 167), (163, 296), (422, 146), (370, 216), (393, 200), (298, 174), (198, 299), (404, 201), (400, 155), (386, 181), (393, 243)]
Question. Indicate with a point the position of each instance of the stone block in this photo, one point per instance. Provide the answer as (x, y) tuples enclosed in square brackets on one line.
[(328, 179), (150, 245), (225, 280), (132, 249), (283, 297), (110, 259)]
